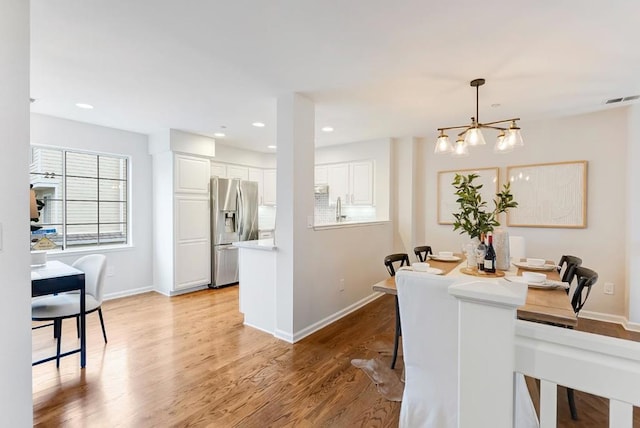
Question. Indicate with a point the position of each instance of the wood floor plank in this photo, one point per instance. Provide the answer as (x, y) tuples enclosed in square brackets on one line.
[(189, 361)]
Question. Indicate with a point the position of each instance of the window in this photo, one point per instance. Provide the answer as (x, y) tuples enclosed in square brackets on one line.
[(84, 196)]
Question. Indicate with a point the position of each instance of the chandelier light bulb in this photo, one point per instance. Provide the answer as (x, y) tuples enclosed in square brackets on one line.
[(443, 145), (502, 146), (514, 137), (461, 149), (473, 136)]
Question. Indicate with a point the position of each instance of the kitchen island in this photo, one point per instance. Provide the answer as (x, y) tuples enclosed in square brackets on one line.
[(257, 290)]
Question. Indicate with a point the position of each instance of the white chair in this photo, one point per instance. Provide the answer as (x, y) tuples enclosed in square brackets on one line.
[(517, 247), (67, 305), (429, 317)]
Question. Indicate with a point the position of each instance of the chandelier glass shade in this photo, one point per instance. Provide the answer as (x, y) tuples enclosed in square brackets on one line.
[(471, 135)]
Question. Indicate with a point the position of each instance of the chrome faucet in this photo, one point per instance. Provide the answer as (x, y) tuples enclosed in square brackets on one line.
[(339, 216)]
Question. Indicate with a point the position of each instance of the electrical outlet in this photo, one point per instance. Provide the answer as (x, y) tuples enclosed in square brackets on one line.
[(341, 284), (110, 271), (608, 288)]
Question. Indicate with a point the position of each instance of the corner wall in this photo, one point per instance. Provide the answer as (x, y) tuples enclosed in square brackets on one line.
[(16, 405), (129, 270)]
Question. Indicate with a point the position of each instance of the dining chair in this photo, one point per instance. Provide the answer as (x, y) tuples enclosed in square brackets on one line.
[(565, 268), (422, 252), (430, 347), (67, 305), (400, 259)]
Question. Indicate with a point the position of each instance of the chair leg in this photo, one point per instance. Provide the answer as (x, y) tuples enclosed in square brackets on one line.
[(397, 338), (78, 326), (104, 332), (572, 404), (58, 326), (56, 329)]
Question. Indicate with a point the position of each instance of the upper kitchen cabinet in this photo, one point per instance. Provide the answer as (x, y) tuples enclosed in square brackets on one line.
[(191, 174), (239, 172), (218, 170), (352, 182), (269, 192), (256, 174)]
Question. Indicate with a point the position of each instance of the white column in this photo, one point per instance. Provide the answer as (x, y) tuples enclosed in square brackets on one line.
[(15, 309), (486, 352), (294, 204), (633, 216)]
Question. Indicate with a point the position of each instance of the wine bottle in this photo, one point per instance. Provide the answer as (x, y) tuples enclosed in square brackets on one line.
[(480, 253), (490, 257)]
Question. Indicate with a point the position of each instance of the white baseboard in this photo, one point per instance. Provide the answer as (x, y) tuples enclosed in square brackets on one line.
[(283, 335), (328, 320), (632, 326), (127, 293)]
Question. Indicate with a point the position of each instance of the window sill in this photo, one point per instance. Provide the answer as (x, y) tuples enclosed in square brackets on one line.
[(91, 250)]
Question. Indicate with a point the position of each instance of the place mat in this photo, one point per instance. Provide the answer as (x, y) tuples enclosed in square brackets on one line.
[(474, 272), (545, 267)]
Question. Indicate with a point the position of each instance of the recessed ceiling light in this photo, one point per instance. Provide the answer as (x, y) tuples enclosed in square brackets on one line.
[(327, 129), (272, 147), (258, 124), (83, 105), (219, 134)]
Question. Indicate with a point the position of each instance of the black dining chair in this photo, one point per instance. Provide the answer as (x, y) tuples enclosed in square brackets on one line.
[(585, 279), (399, 259), (565, 268), (422, 252)]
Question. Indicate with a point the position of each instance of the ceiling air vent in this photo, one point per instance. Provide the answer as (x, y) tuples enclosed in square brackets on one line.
[(623, 99)]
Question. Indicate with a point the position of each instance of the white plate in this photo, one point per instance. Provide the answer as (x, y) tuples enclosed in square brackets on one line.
[(433, 271), (444, 258), (544, 284), (525, 265)]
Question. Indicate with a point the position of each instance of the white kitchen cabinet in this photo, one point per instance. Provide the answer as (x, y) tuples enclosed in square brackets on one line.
[(182, 250), (269, 194), (191, 174), (192, 241), (239, 172), (351, 181), (338, 181), (321, 175), (218, 170), (361, 177), (256, 174)]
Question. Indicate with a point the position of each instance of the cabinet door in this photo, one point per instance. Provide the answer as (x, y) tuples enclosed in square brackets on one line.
[(361, 183), (192, 242), (338, 181), (218, 170), (239, 172), (191, 174), (321, 175), (255, 174), (269, 187)]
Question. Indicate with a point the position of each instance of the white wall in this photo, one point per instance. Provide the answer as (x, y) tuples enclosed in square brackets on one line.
[(129, 270), (15, 310), (633, 216), (601, 139), (377, 150)]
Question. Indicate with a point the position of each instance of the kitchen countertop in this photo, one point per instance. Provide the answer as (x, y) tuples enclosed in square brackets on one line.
[(259, 244), (349, 224)]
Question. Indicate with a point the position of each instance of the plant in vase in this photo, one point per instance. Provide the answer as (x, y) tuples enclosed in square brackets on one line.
[(474, 218)]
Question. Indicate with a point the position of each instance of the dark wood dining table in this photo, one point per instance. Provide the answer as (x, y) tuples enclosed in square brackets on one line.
[(57, 277), (548, 305)]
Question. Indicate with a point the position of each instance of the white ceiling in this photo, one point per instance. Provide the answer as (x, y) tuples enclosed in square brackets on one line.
[(375, 68)]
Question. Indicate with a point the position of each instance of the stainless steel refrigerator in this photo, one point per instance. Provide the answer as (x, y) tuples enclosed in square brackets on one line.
[(234, 217)]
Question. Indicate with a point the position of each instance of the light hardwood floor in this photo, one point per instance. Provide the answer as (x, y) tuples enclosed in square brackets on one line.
[(189, 361)]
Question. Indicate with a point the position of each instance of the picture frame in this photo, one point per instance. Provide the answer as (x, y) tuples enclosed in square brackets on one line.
[(549, 195), (447, 205)]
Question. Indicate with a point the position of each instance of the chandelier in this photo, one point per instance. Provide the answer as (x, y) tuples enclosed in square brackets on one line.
[(508, 137)]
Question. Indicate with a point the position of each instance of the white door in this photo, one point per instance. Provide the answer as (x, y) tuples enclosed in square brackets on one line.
[(192, 241)]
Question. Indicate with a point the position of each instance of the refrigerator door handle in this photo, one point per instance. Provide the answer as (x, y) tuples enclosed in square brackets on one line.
[(240, 214)]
